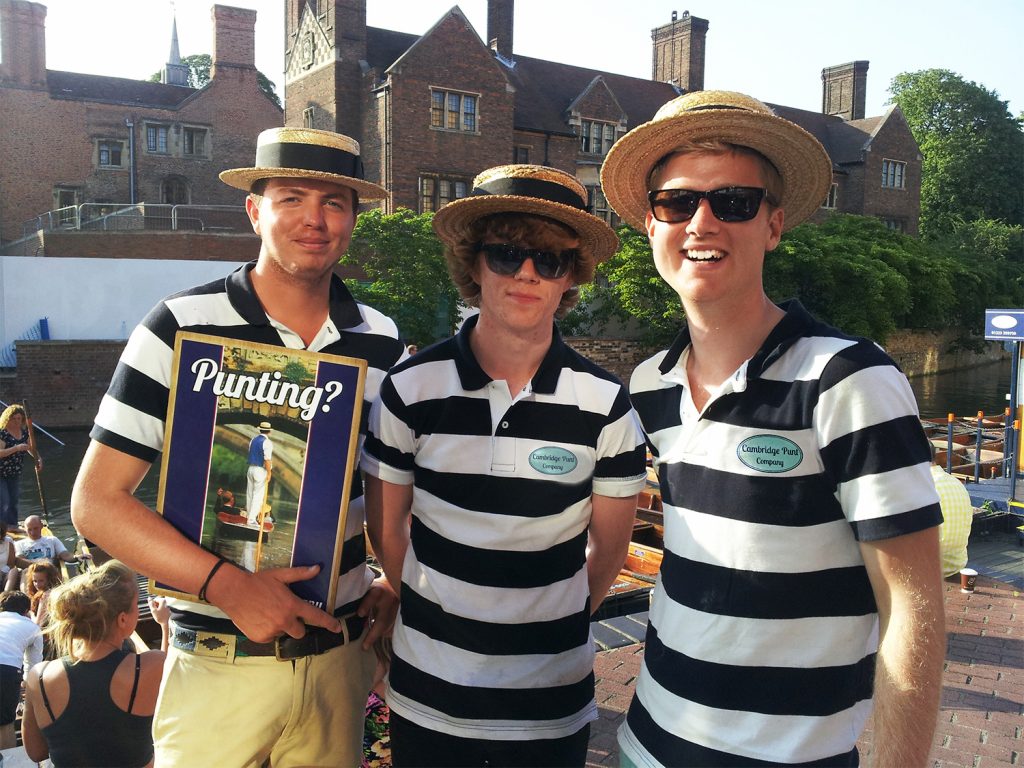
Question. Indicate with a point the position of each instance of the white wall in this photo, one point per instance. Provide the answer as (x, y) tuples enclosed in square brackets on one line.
[(90, 298)]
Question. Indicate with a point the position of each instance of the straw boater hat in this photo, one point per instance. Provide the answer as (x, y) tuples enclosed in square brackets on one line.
[(306, 153), (265, 426), (533, 189), (725, 116)]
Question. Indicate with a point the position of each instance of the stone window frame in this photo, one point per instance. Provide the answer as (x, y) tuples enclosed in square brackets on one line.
[(442, 113), (106, 145), (895, 224), (308, 117), (832, 198), (604, 141), (435, 190), (154, 131), (188, 144), (521, 154), (894, 174)]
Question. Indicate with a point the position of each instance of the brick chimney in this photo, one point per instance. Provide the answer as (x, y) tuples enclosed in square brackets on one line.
[(23, 43), (234, 38), (678, 56), (844, 90), (499, 26)]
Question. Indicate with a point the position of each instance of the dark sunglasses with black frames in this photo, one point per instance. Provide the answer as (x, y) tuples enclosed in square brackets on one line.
[(507, 259), (729, 204)]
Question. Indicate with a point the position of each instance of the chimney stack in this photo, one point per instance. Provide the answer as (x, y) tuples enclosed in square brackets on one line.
[(500, 20), (23, 43), (844, 90), (234, 38), (678, 56)]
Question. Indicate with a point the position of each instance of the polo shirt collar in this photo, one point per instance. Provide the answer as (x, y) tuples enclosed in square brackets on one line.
[(789, 329), (344, 310), (473, 377)]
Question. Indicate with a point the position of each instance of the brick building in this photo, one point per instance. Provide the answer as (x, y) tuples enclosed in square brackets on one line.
[(72, 138), (429, 119)]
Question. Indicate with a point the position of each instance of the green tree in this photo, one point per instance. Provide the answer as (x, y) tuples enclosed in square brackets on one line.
[(850, 271), (627, 290), (407, 274), (199, 66), (973, 150)]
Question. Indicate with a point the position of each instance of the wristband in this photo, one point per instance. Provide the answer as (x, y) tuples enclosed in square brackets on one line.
[(209, 577)]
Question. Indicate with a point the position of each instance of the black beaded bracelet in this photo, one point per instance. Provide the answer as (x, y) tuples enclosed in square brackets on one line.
[(209, 578)]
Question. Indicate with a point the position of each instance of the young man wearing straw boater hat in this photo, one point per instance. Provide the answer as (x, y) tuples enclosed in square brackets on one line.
[(226, 700), (800, 575), (510, 468)]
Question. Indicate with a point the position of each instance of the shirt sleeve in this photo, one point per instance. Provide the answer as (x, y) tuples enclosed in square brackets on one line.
[(34, 651)]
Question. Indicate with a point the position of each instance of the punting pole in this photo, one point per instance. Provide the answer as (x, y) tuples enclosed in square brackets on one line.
[(34, 451), (58, 441), (949, 442)]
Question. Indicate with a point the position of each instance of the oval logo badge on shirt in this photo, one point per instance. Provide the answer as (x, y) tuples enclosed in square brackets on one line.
[(770, 453), (551, 460)]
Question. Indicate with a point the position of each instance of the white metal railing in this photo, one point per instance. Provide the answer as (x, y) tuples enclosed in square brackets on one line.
[(119, 217)]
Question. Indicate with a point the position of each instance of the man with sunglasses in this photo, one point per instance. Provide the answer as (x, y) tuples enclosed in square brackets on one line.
[(510, 468), (800, 579)]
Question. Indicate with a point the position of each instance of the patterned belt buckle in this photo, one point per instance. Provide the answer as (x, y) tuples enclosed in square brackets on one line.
[(215, 645)]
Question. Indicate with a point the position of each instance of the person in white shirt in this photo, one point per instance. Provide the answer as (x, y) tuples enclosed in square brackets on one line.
[(21, 646)]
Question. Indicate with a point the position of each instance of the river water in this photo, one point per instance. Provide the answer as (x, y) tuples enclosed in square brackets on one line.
[(963, 392)]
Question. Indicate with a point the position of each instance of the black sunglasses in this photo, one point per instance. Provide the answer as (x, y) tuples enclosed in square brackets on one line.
[(507, 259), (727, 204)]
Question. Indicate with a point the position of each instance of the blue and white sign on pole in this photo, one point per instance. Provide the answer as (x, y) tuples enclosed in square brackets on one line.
[(1004, 324)]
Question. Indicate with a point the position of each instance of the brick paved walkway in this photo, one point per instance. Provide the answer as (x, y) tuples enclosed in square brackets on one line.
[(981, 718)]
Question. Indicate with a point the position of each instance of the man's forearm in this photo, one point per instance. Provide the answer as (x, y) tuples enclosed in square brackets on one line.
[(907, 583), (908, 683)]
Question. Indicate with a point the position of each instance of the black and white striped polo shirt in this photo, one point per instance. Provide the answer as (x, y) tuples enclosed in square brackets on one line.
[(493, 639)]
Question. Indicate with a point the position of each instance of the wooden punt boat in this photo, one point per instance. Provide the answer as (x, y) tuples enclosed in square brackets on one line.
[(234, 526)]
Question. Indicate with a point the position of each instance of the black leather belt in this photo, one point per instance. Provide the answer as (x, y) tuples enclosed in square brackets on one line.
[(219, 645)]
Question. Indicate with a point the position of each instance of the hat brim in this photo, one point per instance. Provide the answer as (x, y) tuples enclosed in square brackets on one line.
[(802, 162), (244, 178), (597, 239)]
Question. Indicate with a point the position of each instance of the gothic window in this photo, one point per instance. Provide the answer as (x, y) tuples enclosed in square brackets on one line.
[(110, 153), (437, 191), (194, 142), (596, 137), (833, 194), (894, 174), (156, 138), (453, 111)]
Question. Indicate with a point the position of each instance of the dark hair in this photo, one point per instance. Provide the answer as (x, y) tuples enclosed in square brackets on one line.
[(13, 601), (527, 229)]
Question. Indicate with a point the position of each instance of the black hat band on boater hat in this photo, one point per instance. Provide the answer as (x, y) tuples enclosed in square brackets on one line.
[(306, 153), (310, 157), (534, 189)]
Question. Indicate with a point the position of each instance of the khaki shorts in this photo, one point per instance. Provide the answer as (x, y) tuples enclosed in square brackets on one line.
[(307, 712)]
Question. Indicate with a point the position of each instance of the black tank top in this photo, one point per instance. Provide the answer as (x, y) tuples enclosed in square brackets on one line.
[(92, 731)]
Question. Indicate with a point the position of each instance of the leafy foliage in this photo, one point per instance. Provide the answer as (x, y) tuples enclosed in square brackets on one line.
[(626, 289), (408, 277), (850, 271), (199, 66), (973, 150)]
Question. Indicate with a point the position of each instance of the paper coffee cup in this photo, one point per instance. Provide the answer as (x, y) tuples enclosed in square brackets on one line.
[(967, 578)]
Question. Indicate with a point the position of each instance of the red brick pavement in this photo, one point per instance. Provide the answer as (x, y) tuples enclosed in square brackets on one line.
[(981, 717)]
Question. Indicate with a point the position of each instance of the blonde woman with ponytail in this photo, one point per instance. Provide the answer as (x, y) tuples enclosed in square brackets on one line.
[(95, 707)]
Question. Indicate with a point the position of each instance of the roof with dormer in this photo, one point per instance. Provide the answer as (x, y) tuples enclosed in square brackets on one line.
[(547, 91)]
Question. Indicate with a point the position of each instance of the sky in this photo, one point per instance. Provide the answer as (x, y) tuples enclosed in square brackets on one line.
[(774, 51)]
